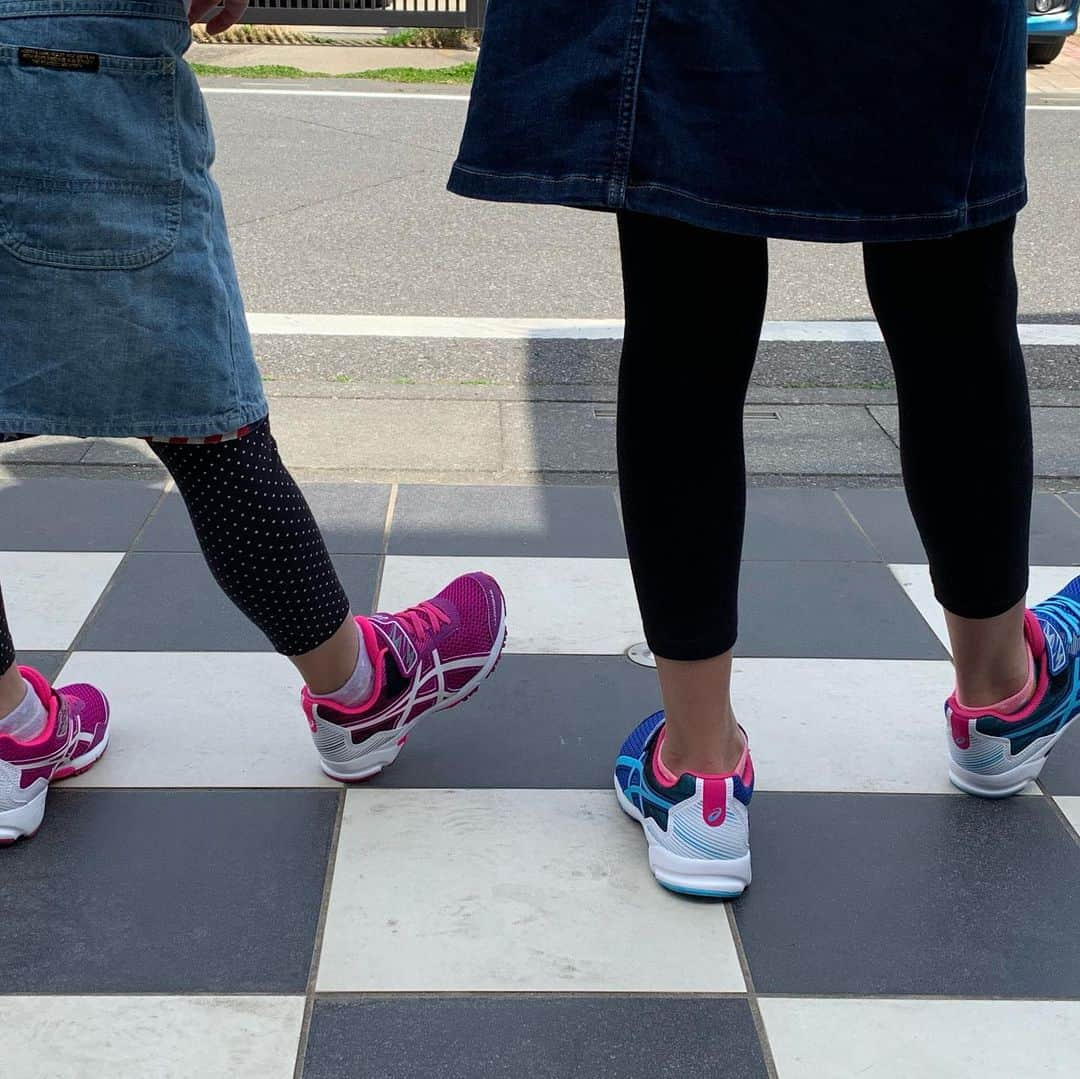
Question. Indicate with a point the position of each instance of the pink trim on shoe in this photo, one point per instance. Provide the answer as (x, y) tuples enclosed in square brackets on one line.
[(39, 684), (378, 666)]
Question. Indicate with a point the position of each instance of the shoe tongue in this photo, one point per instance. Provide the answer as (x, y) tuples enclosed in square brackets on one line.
[(393, 635)]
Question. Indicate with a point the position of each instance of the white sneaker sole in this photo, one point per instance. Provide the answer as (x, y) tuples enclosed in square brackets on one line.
[(690, 876), (24, 820), (1004, 784), (384, 754)]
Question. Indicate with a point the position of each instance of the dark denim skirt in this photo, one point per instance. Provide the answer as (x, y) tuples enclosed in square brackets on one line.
[(874, 121)]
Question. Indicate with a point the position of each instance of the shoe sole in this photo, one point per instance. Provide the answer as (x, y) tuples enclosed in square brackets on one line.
[(690, 876), (370, 765), (23, 821), (1004, 784)]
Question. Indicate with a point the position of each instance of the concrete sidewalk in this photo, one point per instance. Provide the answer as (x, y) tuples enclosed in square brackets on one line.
[(327, 59)]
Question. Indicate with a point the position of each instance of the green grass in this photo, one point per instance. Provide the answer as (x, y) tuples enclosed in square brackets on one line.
[(460, 75), (402, 37)]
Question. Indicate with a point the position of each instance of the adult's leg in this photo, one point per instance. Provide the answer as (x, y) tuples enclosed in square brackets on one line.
[(695, 301), (947, 309)]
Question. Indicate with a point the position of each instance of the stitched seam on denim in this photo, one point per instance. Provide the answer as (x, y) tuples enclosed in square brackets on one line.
[(803, 215), (986, 103), (569, 178), (137, 426), (128, 65), (114, 260), (624, 130), (35, 9), (80, 187)]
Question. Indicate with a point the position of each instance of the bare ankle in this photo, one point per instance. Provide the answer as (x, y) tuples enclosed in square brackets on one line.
[(718, 754)]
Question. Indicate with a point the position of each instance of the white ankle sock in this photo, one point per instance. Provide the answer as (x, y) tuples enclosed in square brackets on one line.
[(28, 719), (361, 682)]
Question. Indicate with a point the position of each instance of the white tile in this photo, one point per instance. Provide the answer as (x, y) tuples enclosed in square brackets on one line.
[(845, 724), (1071, 808), (48, 595), (199, 719), (575, 606), (915, 580), (130, 1037), (510, 890), (933, 1039)]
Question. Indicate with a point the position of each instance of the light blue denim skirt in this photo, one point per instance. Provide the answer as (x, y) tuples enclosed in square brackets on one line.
[(120, 313)]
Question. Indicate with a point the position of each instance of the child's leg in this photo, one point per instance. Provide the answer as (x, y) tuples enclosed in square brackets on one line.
[(947, 309), (265, 550), (682, 467), (11, 683)]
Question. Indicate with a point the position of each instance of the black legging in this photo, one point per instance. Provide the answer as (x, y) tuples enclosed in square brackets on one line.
[(947, 309), (259, 538)]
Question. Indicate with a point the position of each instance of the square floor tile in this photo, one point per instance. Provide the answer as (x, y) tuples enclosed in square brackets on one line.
[(248, 731), (1061, 773), (802, 524), (48, 663), (884, 515), (915, 580), (169, 602), (839, 610), (167, 892), (1073, 499), (541, 722), (874, 894), (352, 518), (583, 606), (48, 595), (1071, 808), (538, 1037), (557, 522), (895, 1039), (137, 1037), (434, 892), (799, 711), (73, 514)]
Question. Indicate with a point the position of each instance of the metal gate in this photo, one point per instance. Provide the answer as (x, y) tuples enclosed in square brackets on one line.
[(468, 14)]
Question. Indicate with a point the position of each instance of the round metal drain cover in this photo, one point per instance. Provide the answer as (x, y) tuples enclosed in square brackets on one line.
[(640, 654)]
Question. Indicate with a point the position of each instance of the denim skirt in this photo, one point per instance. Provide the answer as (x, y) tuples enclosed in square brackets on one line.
[(120, 313), (874, 121)]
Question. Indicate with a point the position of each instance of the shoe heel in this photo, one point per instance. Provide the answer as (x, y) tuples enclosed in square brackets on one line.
[(22, 821)]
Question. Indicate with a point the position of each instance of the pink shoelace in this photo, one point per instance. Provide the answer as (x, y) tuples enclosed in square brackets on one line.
[(423, 619)]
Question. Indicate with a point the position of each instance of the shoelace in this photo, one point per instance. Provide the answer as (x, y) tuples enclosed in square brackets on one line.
[(423, 619)]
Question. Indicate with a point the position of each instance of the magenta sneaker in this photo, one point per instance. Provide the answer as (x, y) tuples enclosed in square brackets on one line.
[(426, 659), (75, 736)]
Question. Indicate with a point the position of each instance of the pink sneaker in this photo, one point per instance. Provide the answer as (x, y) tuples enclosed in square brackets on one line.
[(75, 736), (426, 659)]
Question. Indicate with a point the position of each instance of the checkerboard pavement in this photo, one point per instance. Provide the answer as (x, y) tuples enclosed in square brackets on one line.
[(205, 903)]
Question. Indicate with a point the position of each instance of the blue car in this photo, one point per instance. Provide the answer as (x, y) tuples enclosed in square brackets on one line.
[(1050, 22)]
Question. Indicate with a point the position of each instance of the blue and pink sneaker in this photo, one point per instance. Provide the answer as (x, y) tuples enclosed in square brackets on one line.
[(993, 755), (75, 735), (426, 659), (698, 828)]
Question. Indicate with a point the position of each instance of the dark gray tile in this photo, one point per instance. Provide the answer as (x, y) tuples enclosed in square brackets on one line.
[(1061, 773), (1073, 498), (47, 663), (352, 517), (802, 525), (569, 522), (912, 894), (885, 517), (166, 602), (542, 722), (167, 892), (73, 514), (613, 1037), (829, 610)]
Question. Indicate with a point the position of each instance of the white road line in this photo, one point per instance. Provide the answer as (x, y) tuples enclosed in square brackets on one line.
[(520, 329), (391, 96), (385, 96)]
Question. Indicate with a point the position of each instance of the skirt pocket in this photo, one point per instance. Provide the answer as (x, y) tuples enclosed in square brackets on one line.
[(90, 173)]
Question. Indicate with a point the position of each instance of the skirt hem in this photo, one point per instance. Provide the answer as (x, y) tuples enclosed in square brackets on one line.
[(592, 193)]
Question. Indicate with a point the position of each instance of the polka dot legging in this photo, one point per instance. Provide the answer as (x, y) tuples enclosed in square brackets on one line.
[(259, 538)]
